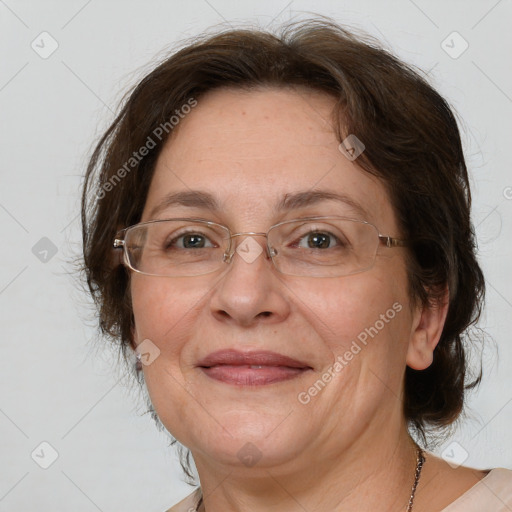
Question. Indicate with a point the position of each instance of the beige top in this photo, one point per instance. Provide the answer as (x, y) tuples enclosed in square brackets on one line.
[(491, 494)]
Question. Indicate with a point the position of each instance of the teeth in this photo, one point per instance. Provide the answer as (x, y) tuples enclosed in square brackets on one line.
[(255, 366)]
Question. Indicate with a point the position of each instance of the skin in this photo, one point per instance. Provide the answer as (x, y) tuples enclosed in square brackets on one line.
[(348, 448)]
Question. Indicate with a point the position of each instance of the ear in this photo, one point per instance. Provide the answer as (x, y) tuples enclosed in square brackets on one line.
[(426, 330)]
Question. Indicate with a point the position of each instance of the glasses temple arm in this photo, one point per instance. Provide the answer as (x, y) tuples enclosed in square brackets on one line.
[(389, 241)]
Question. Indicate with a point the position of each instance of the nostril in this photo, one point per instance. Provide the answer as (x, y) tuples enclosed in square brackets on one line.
[(265, 313)]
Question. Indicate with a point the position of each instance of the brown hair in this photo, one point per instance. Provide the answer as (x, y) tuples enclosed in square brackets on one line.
[(412, 144)]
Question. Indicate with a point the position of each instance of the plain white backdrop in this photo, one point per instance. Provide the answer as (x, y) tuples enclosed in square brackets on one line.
[(58, 91)]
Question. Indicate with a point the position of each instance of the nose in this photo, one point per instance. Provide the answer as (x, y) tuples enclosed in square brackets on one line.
[(250, 291)]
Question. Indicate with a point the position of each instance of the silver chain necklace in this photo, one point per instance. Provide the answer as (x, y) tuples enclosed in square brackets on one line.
[(419, 465)]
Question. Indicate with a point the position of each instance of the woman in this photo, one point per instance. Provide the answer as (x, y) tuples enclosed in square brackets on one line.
[(279, 228)]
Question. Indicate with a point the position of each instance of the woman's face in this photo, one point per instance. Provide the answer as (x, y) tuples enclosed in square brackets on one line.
[(249, 151)]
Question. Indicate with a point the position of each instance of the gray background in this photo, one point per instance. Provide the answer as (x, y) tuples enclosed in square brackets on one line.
[(56, 386)]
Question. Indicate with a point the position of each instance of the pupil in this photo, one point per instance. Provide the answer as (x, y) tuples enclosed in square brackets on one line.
[(191, 241), (318, 241)]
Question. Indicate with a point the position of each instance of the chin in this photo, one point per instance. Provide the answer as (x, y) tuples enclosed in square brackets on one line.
[(251, 452), (243, 438)]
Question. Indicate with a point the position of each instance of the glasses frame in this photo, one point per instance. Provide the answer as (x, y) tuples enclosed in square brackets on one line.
[(119, 241)]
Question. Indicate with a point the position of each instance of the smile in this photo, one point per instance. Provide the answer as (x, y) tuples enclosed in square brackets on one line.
[(251, 368), (252, 375)]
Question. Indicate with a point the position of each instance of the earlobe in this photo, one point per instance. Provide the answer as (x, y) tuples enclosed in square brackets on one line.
[(426, 330), (420, 354)]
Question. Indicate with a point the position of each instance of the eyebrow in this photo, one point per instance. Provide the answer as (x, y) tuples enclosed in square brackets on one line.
[(192, 199), (313, 197), (205, 200)]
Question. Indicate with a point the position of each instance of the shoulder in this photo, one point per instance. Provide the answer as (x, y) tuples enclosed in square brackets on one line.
[(493, 492), (449, 488), (188, 504)]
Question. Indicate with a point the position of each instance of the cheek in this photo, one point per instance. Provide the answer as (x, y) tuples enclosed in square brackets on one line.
[(163, 311), (363, 322), (346, 306), (362, 318), (152, 308)]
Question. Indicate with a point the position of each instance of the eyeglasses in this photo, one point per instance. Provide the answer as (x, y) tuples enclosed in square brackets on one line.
[(312, 247)]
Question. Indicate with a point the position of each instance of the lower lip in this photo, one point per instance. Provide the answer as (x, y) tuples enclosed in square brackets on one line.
[(247, 376)]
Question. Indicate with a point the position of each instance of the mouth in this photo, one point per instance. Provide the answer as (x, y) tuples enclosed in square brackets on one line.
[(251, 368)]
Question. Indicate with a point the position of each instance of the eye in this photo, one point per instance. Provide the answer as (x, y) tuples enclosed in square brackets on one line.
[(318, 240), (189, 241)]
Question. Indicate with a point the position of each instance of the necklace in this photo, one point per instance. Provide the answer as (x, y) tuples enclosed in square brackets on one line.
[(420, 460), (417, 473)]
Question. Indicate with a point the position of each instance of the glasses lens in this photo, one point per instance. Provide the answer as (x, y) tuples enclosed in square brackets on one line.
[(327, 247), (176, 247)]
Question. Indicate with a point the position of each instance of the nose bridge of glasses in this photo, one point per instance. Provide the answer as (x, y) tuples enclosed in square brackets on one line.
[(228, 255), (248, 233)]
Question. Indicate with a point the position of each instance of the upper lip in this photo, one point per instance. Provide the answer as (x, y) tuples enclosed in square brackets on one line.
[(256, 358)]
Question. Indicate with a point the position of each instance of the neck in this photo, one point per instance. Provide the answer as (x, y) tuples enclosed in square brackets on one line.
[(373, 473)]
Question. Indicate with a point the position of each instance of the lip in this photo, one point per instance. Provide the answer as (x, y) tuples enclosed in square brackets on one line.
[(235, 367)]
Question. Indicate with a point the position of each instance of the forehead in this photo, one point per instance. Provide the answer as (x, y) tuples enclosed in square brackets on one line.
[(250, 149)]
